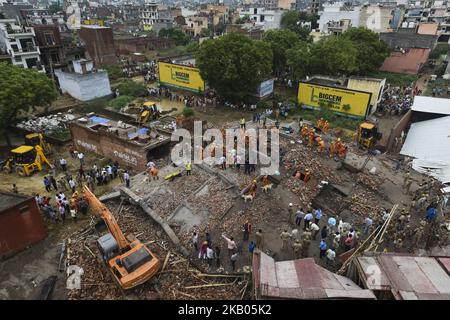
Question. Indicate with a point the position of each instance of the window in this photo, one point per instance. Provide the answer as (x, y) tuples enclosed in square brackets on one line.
[(49, 40), (18, 59)]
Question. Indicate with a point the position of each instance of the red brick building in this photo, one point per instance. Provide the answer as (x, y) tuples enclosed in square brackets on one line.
[(99, 43), (21, 223)]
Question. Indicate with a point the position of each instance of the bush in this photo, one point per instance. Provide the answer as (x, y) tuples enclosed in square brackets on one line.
[(119, 102), (188, 112), (440, 49), (114, 72), (131, 88)]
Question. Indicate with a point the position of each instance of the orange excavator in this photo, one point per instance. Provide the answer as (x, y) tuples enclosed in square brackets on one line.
[(130, 262)]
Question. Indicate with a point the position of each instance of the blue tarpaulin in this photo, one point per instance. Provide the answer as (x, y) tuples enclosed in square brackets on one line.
[(96, 119), (143, 131)]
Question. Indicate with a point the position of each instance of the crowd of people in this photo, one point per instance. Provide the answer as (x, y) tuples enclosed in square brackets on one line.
[(396, 101)]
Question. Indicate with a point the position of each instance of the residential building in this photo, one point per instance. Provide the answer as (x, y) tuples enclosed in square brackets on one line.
[(85, 82), (310, 6), (195, 25), (43, 16), (99, 43), (377, 18), (19, 41), (335, 12), (48, 39), (130, 12), (148, 14), (269, 19)]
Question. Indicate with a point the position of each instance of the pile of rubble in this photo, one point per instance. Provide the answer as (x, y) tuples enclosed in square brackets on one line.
[(47, 124), (178, 279)]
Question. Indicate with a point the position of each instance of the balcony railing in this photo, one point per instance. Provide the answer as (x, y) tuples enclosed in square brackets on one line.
[(26, 50), (20, 31)]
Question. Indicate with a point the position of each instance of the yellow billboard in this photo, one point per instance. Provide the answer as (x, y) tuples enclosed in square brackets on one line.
[(352, 103), (181, 77)]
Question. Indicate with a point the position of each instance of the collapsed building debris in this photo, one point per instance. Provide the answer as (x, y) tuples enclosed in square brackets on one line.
[(49, 125)]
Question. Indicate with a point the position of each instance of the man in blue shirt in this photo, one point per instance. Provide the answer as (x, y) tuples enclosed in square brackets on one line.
[(251, 248), (323, 248), (431, 214), (318, 216)]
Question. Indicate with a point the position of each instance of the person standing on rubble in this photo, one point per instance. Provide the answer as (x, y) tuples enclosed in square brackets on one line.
[(318, 215), (330, 256), (251, 249), (314, 230), (299, 216), (297, 248), (231, 244), (210, 256), (81, 158), (367, 224), (63, 164), (259, 239), (188, 168), (195, 241), (247, 229), (233, 260), (47, 184), (290, 212), (308, 218), (285, 236), (323, 248), (126, 177)]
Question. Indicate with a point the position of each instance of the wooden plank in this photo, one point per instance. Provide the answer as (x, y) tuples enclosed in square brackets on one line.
[(210, 285)]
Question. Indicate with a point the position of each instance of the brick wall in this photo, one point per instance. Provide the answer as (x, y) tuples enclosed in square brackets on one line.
[(110, 146), (402, 125)]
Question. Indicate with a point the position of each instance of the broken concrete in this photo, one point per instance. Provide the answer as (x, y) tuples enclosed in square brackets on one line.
[(139, 201)]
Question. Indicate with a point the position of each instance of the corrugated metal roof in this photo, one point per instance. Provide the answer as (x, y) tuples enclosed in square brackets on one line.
[(431, 105), (411, 277), (303, 279), (429, 142)]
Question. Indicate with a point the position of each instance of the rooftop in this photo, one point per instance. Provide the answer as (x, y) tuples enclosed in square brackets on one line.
[(409, 62), (407, 277), (8, 200), (302, 279)]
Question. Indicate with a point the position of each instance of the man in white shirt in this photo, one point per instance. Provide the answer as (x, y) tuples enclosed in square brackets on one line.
[(126, 177), (209, 256), (314, 230), (63, 164), (81, 157), (330, 256)]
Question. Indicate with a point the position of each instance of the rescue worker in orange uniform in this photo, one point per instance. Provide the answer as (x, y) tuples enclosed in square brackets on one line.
[(311, 138), (325, 127), (307, 175), (304, 132), (265, 180), (320, 144), (319, 123), (253, 188), (332, 149)]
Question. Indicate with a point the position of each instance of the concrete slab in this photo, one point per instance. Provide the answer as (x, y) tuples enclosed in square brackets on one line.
[(187, 218)]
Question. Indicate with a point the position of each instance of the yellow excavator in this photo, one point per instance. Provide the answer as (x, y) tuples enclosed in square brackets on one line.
[(130, 261), (26, 160), (149, 111), (368, 135), (37, 139)]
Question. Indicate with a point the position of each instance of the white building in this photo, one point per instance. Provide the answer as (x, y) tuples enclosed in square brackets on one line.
[(85, 83), (268, 19), (336, 13), (19, 41)]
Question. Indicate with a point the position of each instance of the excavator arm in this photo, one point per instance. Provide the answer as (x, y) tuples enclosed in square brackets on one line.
[(101, 210), (40, 156)]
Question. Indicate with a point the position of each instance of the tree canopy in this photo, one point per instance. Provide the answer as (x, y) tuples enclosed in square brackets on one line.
[(176, 34), (293, 20), (234, 65), (371, 50), (22, 89), (280, 41), (356, 51)]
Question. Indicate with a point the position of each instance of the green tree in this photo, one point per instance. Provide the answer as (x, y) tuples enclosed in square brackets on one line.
[(293, 20), (280, 41), (333, 55), (131, 88), (192, 47), (114, 71), (22, 89), (372, 51), (234, 65), (119, 102), (298, 59), (440, 49), (244, 19), (176, 34)]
